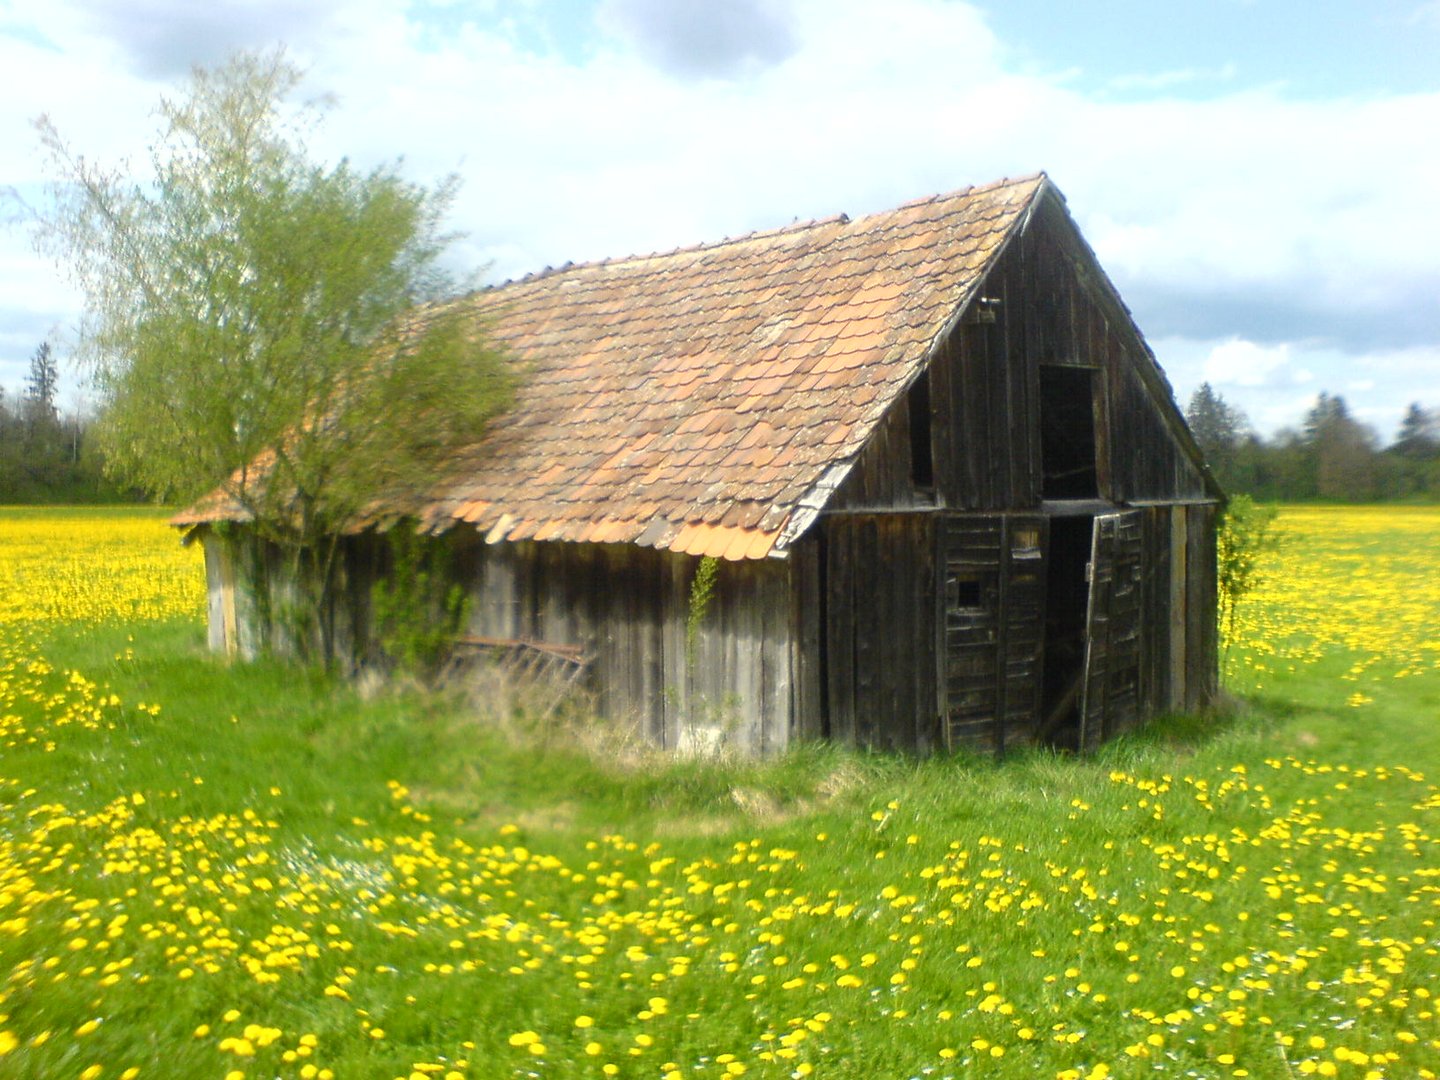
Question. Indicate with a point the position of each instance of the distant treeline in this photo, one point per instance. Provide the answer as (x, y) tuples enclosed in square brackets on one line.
[(46, 457), (1332, 457)]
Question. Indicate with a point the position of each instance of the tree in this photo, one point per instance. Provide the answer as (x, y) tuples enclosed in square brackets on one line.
[(1219, 430), (41, 387), (275, 328), (1245, 538), (1419, 435), (1342, 451), (1415, 452)]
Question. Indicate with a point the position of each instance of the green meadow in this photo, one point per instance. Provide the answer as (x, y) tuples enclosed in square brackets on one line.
[(257, 871)]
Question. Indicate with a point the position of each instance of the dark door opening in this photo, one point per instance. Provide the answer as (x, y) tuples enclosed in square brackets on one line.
[(1067, 433), (922, 457), (1068, 589)]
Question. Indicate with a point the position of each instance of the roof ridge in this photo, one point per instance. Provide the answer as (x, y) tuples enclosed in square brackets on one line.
[(972, 189), (685, 249), (762, 234)]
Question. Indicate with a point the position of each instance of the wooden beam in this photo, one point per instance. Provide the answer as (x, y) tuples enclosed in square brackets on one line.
[(1178, 594)]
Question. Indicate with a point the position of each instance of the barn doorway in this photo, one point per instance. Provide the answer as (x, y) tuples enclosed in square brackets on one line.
[(1066, 609)]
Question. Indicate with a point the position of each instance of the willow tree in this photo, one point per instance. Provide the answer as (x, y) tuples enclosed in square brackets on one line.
[(271, 330)]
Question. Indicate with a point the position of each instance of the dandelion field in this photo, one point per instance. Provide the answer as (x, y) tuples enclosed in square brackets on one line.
[(253, 872)]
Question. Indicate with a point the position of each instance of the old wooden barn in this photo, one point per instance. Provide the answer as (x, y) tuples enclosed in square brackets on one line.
[(949, 496)]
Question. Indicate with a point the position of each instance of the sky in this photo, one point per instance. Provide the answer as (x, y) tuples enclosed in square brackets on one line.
[(1258, 177)]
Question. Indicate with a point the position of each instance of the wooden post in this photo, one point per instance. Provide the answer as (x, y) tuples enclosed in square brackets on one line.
[(1178, 594)]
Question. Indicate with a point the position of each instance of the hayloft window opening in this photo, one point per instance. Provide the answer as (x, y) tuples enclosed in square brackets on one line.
[(1067, 432), (1025, 543), (922, 457)]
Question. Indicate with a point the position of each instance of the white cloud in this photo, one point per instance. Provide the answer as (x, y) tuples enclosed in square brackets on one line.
[(1237, 362), (1277, 236), (166, 38), (1165, 80), (699, 38), (1426, 15)]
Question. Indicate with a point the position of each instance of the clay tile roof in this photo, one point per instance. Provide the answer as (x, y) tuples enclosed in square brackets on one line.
[(709, 399), (703, 385)]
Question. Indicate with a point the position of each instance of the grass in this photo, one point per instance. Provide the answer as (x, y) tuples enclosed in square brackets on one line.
[(256, 871)]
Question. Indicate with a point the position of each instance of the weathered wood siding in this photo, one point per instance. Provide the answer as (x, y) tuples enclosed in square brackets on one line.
[(1045, 303), (1157, 600), (1202, 633), (1115, 629), (985, 397), (236, 567), (1180, 639), (807, 650), (250, 593), (866, 634), (880, 603), (993, 612), (882, 477), (735, 685), (220, 595)]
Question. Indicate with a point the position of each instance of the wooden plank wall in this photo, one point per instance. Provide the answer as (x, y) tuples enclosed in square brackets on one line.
[(986, 406), (973, 702), (628, 607), (363, 560), (245, 623), (1156, 584), (255, 565), (880, 603), (1053, 308), (1202, 657), (868, 587), (807, 714), (1113, 652), (236, 566), (881, 478), (1152, 465), (1179, 659), (219, 595), (734, 684), (1176, 628)]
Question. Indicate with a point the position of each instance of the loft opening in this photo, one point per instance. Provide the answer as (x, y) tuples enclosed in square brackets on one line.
[(1067, 432), (922, 458)]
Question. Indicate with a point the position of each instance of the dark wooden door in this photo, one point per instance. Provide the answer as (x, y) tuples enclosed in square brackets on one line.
[(992, 617), (970, 608), (1110, 700)]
